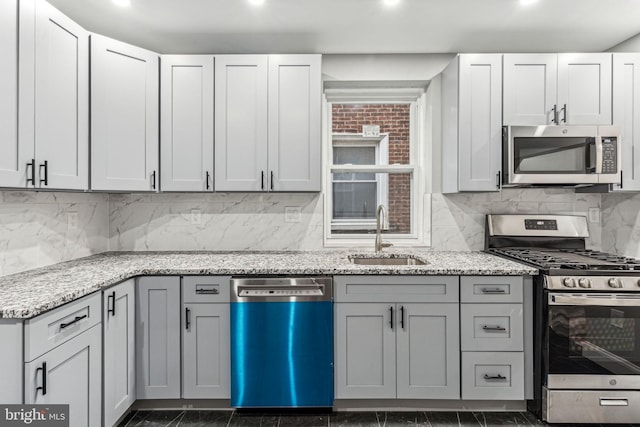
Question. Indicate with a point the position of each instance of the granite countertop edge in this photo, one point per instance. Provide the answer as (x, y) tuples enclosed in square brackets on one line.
[(28, 294)]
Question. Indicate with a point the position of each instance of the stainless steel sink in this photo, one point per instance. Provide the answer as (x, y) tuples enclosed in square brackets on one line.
[(403, 260)]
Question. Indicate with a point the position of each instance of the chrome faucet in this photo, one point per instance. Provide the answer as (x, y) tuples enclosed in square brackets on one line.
[(381, 212)]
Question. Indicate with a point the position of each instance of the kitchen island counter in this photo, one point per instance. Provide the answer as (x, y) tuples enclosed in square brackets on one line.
[(30, 293)]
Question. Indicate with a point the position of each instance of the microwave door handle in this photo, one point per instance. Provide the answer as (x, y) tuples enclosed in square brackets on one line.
[(598, 165)]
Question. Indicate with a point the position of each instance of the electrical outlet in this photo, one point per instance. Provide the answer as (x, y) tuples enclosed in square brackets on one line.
[(72, 219), (292, 214), (594, 215), (196, 216)]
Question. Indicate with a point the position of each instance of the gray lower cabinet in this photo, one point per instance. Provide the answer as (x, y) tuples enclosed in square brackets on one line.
[(118, 322), (493, 337), (365, 346), (428, 362), (205, 351), (205, 337), (70, 374), (404, 351), (158, 337), (397, 349)]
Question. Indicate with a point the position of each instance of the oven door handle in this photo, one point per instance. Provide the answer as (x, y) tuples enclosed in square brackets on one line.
[(612, 301)]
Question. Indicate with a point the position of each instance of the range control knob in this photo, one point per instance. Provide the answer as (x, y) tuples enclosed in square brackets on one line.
[(614, 283), (584, 283), (568, 282)]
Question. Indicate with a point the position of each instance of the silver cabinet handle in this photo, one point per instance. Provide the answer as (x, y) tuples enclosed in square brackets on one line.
[(204, 291), (494, 377), (493, 291), (493, 328)]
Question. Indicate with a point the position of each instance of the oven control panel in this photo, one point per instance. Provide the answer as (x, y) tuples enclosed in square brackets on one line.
[(593, 283), (540, 224)]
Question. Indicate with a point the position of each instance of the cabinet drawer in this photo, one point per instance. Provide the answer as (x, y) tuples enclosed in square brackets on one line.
[(491, 327), (396, 288), (49, 330), (205, 289), (491, 288), (492, 376)]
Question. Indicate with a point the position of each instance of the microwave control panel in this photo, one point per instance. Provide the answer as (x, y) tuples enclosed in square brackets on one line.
[(609, 154)]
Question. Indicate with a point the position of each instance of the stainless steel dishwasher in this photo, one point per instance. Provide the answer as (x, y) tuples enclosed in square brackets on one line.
[(281, 342)]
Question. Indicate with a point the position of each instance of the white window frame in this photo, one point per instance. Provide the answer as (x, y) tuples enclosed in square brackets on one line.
[(420, 235), (381, 145)]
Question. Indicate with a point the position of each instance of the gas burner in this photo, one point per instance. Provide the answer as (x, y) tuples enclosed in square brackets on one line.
[(570, 259)]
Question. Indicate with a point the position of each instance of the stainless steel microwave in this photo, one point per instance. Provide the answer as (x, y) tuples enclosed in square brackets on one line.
[(561, 155)]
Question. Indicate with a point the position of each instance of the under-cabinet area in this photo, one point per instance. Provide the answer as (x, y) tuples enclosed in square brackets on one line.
[(396, 339)]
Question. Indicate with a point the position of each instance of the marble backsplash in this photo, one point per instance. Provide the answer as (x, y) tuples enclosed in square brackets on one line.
[(43, 228), (257, 222), (37, 230), (458, 220), (214, 222), (621, 224)]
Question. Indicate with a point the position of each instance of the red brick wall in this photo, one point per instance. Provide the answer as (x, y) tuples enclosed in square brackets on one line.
[(393, 119)]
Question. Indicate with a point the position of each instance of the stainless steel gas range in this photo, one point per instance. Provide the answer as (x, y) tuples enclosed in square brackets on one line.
[(587, 319)]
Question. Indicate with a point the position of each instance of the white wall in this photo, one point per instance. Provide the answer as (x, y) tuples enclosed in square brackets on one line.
[(410, 67), (35, 230), (630, 45)]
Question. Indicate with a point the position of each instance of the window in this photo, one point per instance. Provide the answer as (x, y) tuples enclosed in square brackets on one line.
[(356, 195), (364, 172)]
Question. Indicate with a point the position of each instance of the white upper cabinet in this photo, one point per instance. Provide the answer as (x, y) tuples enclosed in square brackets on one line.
[(566, 88), (472, 123), (61, 100), (44, 144), (530, 87), (124, 116), (267, 122), (187, 122), (626, 104), (12, 165), (294, 122), (241, 123)]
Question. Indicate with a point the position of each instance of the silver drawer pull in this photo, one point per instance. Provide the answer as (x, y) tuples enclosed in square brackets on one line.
[(605, 401), (493, 328), (493, 291), (494, 377), (213, 291)]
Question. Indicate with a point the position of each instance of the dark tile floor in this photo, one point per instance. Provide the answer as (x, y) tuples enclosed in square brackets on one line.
[(195, 418)]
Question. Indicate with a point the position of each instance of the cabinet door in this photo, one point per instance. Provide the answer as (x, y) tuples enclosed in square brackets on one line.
[(428, 354), (205, 346), (480, 121), (295, 88), (241, 123), (626, 104), (124, 116), (187, 122), (13, 162), (529, 88), (584, 88), (61, 100), (158, 338), (73, 374), (365, 352), (118, 314)]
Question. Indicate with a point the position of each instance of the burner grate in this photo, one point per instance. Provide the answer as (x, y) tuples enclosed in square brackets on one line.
[(570, 259)]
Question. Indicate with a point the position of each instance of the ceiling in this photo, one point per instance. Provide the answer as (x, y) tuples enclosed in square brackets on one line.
[(361, 26)]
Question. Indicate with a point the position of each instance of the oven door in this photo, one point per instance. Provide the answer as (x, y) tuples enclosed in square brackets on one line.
[(592, 341)]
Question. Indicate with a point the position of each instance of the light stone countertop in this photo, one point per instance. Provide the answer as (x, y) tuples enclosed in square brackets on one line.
[(27, 294)]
